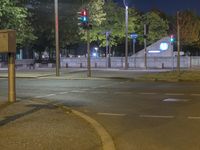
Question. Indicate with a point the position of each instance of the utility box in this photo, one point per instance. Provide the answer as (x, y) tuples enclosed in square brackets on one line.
[(7, 41)]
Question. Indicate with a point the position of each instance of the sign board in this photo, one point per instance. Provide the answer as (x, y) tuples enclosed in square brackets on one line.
[(7, 41)]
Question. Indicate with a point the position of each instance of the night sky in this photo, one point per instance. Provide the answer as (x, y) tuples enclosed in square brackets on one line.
[(167, 6)]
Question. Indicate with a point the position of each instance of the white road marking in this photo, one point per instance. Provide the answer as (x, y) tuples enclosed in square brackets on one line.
[(122, 92), (98, 92), (84, 89), (196, 118), (147, 93), (174, 94), (195, 94), (156, 116), (111, 114), (77, 91), (175, 100), (49, 95), (63, 93)]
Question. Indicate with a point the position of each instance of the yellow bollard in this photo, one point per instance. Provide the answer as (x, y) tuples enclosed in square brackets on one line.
[(11, 78)]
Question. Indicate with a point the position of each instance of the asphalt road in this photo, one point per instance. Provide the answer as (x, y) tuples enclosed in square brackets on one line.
[(138, 115)]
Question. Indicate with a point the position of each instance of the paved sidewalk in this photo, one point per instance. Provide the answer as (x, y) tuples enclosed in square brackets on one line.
[(32, 125), (80, 73)]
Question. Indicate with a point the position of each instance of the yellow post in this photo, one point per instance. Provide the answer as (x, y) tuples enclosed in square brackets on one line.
[(11, 78)]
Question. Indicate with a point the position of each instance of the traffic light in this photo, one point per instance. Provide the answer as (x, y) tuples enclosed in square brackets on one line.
[(172, 38), (83, 19)]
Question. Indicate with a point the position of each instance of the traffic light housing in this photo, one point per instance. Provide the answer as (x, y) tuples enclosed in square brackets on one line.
[(172, 38), (83, 19)]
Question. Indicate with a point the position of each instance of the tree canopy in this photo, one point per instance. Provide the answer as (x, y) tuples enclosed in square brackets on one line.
[(14, 17)]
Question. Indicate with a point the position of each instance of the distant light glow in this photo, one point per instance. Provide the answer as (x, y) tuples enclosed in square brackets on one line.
[(154, 51), (94, 54), (164, 46)]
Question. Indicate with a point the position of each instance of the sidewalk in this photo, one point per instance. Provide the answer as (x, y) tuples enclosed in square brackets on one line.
[(80, 73), (32, 125)]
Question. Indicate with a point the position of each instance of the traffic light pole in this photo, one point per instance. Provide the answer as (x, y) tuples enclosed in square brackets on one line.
[(57, 40), (178, 43), (88, 52), (145, 46)]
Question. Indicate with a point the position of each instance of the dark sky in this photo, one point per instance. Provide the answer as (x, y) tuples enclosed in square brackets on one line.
[(168, 6)]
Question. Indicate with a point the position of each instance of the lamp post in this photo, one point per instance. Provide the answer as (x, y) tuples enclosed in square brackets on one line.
[(126, 34), (57, 39), (126, 41)]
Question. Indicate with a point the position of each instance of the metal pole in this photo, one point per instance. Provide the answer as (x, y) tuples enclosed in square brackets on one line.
[(109, 59), (126, 42), (11, 78), (172, 49), (145, 46), (134, 45), (107, 48), (178, 43), (88, 51), (57, 40)]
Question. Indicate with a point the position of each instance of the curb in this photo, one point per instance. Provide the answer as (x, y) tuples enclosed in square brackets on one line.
[(106, 139)]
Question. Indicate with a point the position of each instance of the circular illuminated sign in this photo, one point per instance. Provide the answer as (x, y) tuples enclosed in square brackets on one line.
[(164, 46)]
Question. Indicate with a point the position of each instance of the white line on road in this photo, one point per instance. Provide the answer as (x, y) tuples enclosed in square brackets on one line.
[(49, 95), (147, 93), (98, 92), (196, 118), (111, 114), (175, 100), (77, 91), (84, 89), (156, 116), (63, 93), (195, 94), (123, 93), (174, 94)]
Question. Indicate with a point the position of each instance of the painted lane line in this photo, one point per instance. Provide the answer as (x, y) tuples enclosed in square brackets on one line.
[(147, 93), (77, 91), (84, 89), (63, 93), (175, 100), (195, 94), (175, 94), (122, 92), (195, 118), (156, 116), (49, 95), (111, 114), (98, 92)]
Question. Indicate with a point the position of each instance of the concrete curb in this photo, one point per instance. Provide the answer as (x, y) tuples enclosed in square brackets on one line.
[(106, 139)]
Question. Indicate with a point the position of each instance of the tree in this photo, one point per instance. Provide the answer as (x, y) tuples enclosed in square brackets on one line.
[(43, 20), (156, 25), (111, 19), (189, 28), (15, 17)]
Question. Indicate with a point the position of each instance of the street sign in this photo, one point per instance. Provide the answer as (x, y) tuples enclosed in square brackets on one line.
[(134, 36)]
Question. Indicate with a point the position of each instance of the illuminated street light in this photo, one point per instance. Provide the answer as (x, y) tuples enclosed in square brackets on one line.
[(126, 32), (57, 39)]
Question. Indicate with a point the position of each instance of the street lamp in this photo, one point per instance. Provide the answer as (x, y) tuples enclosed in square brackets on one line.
[(126, 33), (57, 39)]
